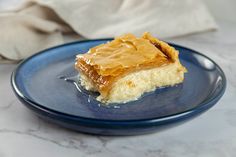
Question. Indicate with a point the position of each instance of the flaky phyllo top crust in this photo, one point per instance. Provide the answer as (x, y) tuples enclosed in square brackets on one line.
[(105, 63)]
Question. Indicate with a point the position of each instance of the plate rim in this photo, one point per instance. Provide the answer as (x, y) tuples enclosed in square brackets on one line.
[(203, 106)]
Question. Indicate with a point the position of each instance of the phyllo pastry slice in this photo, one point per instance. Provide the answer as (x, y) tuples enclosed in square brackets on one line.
[(126, 67)]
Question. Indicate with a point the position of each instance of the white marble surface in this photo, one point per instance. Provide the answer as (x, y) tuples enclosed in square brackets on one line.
[(213, 134)]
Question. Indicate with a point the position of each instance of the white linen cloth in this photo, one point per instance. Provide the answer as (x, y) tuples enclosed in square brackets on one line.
[(42, 23)]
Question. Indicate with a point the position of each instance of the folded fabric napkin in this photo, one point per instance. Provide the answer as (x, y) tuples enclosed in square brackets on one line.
[(42, 23)]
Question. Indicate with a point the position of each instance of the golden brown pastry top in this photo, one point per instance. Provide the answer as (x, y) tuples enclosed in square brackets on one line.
[(126, 52)]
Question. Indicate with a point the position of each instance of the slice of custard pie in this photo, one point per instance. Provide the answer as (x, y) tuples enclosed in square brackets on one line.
[(127, 67)]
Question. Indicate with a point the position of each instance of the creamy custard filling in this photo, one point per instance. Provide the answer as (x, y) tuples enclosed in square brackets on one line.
[(106, 63)]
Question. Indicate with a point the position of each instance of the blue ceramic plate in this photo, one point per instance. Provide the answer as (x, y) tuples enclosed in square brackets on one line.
[(37, 85)]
